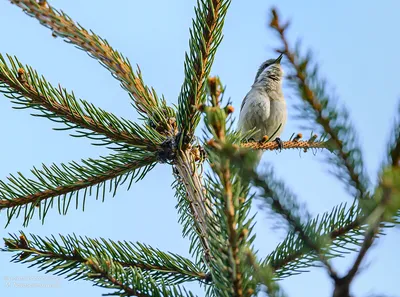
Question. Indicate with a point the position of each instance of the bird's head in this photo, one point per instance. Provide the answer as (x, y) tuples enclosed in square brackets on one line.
[(270, 70)]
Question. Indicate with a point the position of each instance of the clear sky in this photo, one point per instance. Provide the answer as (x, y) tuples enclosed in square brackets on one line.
[(354, 41)]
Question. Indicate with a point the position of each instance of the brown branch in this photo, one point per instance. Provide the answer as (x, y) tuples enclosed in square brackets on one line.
[(368, 240), (272, 145), (310, 97), (62, 25), (342, 285), (38, 92), (188, 172), (81, 184)]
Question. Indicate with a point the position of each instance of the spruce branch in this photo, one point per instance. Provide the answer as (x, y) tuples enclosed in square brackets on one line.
[(144, 98), (194, 196), (342, 228), (284, 203), (129, 282), (228, 224), (320, 107), (205, 37), (225, 177), (67, 257), (107, 274), (25, 195), (271, 145), (387, 207), (27, 89), (191, 228)]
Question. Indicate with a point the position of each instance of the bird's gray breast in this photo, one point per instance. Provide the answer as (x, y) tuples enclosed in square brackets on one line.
[(263, 113)]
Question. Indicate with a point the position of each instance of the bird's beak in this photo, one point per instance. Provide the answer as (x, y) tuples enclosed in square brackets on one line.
[(278, 61)]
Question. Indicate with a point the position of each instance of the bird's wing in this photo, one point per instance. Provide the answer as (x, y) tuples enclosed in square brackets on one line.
[(254, 113), (244, 102)]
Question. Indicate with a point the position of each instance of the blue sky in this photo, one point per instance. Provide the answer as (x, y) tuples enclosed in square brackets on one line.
[(355, 43)]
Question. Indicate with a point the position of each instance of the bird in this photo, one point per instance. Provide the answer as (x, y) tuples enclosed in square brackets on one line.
[(264, 107)]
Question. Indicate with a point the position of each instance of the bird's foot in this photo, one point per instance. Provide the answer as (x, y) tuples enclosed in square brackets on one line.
[(279, 142)]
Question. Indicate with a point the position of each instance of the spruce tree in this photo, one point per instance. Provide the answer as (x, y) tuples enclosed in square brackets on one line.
[(215, 177)]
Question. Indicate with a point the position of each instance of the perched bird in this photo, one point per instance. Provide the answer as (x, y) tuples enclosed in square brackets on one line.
[(264, 107)]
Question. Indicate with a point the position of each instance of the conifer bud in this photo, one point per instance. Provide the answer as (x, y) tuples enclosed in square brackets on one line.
[(298, 137), (229, 109)]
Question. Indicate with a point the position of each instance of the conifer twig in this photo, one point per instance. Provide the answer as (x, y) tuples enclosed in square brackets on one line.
[(228, 222), (319, 105), (65, 180), (206, 35), (101, 271), (271, 145), (77, 251), (62, 25), (232, 230), (284, 204), (342, 285), (104, 272), (61, 190), (388, 187), (230, 206), (337, 231), (21, 82)]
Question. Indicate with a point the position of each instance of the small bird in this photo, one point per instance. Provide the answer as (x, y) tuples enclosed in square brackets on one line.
[(264, 107)]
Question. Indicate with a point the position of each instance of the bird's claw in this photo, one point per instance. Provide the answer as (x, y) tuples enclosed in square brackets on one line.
[(279, 142)]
